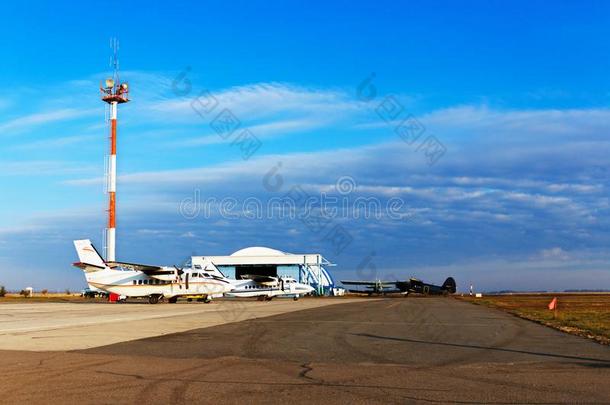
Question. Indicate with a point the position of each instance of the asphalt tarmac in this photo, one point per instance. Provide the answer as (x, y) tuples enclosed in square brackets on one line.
[(400, 350), (53, 326)]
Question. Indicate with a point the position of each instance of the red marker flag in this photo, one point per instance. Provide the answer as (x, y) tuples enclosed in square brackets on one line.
[(553, 304)]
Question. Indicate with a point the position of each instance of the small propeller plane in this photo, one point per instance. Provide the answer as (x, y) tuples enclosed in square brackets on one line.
[(154, 282), (412, 285), (267, 287)]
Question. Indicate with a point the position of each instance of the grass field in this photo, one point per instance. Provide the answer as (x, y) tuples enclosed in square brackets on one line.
[(50, 297), (581, 314)]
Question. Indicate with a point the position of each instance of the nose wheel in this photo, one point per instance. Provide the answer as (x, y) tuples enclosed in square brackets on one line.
[(154, 299)]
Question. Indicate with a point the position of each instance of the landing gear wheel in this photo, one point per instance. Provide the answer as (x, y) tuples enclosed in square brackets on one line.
[(172, 300), (207, 300), (153, 299), (296, 298)]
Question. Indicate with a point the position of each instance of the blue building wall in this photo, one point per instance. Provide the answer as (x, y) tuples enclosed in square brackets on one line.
[(290, 271), (228, 271)]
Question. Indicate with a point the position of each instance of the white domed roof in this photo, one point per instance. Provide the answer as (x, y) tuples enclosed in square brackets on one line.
[(258, 251)]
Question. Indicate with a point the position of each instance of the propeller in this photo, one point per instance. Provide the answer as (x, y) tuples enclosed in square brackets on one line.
[(179, 271), (380, 286)]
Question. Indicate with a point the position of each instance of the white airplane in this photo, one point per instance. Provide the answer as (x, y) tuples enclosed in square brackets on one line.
[(154, 282), (267, 287)]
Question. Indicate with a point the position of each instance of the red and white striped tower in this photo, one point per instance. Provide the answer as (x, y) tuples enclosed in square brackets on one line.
[(114, 93)]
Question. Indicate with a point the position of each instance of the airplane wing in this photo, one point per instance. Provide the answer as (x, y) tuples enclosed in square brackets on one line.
[(372, 291), (357, 291), (258, 279), (369, 283), (382, 286), (354, 282), (144, 268)]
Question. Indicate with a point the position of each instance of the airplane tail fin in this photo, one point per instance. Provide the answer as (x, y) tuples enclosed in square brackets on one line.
[(89, 258), (211, 268), (449, 285)]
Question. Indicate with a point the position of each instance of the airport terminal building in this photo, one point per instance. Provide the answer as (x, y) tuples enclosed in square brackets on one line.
[(305, 268)]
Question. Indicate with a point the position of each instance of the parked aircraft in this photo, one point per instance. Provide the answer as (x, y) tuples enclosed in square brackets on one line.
[(267, 287), (412, 285), (154, 282), (372, 287)]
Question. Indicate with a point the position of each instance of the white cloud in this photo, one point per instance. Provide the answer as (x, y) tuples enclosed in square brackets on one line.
[(257, 104), (264, 99), (554, 253), (520, 122), (31, 121), (43, 168), (52, 143), (261, 131)]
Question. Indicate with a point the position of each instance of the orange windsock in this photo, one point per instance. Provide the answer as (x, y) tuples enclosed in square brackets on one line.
[(553, 304)]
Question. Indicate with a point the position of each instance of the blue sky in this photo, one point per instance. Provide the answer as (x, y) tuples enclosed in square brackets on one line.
[(517, 93)]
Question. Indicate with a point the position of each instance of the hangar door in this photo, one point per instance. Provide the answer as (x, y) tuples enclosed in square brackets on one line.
[(256, 270)]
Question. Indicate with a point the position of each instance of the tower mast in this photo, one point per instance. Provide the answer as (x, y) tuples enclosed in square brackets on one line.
[(114, 92)]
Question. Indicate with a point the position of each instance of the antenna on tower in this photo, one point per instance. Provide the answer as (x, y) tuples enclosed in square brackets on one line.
[(114, 59), (113, 89)]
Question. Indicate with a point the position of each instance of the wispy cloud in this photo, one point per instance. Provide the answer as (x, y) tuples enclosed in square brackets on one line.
[(554, 253), (521, 124), (43, 168), (28, 122), (262, 100), (54, 143), (505, 163), (261, 131)]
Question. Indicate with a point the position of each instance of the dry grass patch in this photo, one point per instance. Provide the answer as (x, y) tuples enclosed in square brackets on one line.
[(585, 315)]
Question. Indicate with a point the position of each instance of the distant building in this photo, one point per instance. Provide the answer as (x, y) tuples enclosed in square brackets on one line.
[(310, 268)]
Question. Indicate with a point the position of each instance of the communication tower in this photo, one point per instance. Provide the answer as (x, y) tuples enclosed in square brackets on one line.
[(114, 92)]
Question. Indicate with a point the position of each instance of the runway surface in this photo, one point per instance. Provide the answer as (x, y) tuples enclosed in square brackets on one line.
[(70, 326), (413, 350)]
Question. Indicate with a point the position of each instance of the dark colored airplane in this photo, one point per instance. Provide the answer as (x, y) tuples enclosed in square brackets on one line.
[(412, 285)]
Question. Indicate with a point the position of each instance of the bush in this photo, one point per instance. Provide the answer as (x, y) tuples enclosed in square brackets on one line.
[(25, 293), (2, 291), (44, 292), (68, 291)]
